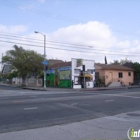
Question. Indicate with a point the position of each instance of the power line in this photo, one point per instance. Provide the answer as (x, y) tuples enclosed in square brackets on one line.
[(69, 49), (63, 45), (57, 42), (46, 13), (22, 38), (66, 43), (39, 12)]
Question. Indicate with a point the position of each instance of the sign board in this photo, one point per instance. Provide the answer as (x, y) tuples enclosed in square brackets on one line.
[(64, 74), (45, 62)]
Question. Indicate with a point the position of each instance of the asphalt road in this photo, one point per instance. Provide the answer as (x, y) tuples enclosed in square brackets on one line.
[(24, 109)]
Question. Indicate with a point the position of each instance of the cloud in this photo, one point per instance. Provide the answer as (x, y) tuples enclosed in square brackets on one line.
[(94, 33), (123, 44), (42, 1), (6, 30), (13, 29)]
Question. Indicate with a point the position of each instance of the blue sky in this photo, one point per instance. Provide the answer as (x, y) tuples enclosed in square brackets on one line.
[(114, 24)]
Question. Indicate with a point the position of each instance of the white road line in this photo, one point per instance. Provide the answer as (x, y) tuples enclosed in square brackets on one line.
[(124, 96), (30, 108), (109, 100), (136, 97), (129, 96), (74, 104), (17, 101), (33, 96)]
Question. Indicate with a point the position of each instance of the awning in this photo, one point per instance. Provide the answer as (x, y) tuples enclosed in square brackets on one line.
[(86, 75)]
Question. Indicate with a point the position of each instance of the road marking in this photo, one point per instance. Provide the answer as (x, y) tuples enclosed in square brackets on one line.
[(109, 100), (128, 96), (124, 96), (17, 101), (30, 108), (74, 104), (136, 97), (33, 96)]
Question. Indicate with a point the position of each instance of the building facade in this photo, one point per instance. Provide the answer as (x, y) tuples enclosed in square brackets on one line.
[(109, 74), (78, 73)]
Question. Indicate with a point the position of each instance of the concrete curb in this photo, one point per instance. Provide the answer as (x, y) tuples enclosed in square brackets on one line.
[(71, 90), (133, 87), (8, 85), (34, 89)]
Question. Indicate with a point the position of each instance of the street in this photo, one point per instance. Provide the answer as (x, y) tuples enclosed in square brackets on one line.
[(25, 109)]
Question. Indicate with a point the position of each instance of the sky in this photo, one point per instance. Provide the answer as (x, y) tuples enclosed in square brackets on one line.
[(88, 29)]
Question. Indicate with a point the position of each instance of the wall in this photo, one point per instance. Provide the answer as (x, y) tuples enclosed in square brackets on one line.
[(29, 81), (101, 72), (112, 76), (65, 76), (50, 80), (77, 69), (59, 77), (65, 83), (17, 81)]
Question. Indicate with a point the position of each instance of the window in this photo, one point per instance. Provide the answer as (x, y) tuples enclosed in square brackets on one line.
[(120, 75), (96, 75), (64, 74), (77, 80), (90, 71), (129, 73), (77, 71)]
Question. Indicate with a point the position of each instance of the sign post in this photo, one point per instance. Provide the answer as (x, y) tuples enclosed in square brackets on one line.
[(45, 63)]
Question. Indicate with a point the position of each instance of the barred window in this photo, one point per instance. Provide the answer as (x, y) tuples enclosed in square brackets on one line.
[(120, 75)]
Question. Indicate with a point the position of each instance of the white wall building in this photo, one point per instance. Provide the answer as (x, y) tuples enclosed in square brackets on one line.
[(82, 73)]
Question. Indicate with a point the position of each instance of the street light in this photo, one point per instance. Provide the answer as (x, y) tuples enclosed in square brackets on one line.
[(44, 56)]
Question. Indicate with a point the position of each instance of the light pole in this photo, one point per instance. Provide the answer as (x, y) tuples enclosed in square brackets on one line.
[(44, 56), (1, 62)]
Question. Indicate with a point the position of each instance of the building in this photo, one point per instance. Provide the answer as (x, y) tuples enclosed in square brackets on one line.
[(78, 73), (54, 61), (113, 75), (6, 68), (136, 73)]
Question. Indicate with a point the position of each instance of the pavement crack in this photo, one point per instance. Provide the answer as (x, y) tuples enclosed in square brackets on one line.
[(102, 127), (68, 132)]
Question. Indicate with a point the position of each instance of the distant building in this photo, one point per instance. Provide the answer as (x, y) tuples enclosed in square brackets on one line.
[(54, 61), (6, 68), (78, 73), (114, 75)]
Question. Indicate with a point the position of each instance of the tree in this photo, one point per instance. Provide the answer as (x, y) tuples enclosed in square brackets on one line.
[(24, 61), (136, 67), (116, 62), (124, 61), (105, 60)]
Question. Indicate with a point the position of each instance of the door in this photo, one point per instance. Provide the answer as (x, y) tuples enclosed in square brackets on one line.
[(111, 77)]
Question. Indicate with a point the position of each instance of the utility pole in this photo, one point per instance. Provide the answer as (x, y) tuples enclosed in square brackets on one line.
[(44, 56), (1, 62), (84, 81)]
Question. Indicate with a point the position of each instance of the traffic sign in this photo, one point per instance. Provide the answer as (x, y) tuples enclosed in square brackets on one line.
[(45, 62)]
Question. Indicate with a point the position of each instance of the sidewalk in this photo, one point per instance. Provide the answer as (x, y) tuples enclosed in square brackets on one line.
[(56, 89), (109, 128), (71, 90)]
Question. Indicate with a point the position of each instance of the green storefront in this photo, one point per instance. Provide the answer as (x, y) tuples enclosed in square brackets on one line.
[(59, 77)]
